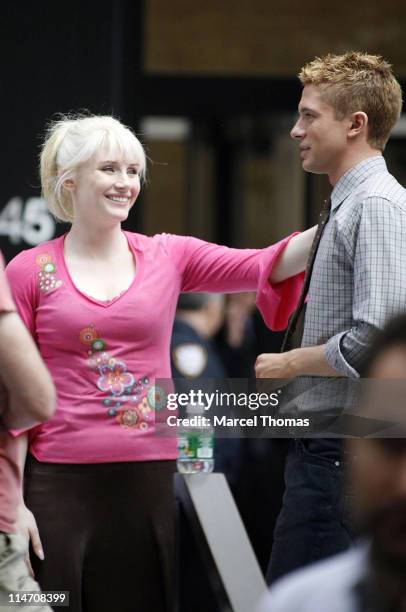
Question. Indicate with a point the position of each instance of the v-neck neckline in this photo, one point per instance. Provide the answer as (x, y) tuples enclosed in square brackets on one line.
[(137, 254)]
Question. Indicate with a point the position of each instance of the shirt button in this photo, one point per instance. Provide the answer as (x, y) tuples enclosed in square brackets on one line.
[(337, 463)]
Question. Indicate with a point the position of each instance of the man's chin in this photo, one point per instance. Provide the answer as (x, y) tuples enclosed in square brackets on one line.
[(308, 166)]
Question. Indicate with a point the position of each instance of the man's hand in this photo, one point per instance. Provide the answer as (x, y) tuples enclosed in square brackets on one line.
[(273, 365), (309, 361)]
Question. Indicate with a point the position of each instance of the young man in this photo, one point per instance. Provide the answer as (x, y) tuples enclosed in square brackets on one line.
[(27, 396), (372, 575), (348, 108)]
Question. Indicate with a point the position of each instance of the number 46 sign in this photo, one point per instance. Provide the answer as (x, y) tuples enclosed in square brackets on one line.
[(31, 222)]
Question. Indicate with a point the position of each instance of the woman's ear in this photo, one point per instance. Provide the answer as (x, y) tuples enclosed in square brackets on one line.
[(69, 184)]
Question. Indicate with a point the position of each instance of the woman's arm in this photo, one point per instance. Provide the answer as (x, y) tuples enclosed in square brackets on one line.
[(204, 266), (294, 257)]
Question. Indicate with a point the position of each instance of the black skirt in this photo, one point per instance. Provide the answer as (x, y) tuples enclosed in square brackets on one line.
[(108, 533)]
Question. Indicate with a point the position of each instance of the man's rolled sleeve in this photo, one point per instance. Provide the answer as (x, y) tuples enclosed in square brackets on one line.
[(345, 351)]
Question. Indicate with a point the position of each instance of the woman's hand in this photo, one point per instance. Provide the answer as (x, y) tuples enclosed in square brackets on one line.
[(26, 525), (293, 258)]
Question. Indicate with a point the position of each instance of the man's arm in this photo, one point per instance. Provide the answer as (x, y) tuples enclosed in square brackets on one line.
[(379, 265), (308, 361), (27, 382), (379, 287)]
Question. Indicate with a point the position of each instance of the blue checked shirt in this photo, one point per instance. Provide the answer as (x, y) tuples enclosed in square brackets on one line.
[(359, 275)]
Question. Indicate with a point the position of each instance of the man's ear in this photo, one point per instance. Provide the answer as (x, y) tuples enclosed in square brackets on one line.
[(358, 124)]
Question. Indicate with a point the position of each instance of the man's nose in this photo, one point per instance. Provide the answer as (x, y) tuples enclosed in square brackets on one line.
[(297, 131)]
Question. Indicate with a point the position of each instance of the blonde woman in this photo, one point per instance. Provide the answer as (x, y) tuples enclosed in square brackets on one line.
[(100, 303)]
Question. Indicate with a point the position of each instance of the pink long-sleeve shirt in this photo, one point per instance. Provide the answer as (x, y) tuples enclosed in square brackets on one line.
[(105, 356)]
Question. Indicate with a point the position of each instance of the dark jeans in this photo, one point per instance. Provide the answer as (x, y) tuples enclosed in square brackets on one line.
[(313, 523)]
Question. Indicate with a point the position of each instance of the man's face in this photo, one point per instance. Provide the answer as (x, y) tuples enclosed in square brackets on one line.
[(322, 138), (378, 477)]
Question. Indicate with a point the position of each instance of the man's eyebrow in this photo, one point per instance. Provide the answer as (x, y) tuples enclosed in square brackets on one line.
[(306, 109)]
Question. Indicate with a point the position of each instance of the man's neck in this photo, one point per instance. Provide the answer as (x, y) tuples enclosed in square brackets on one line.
[(351, 160)]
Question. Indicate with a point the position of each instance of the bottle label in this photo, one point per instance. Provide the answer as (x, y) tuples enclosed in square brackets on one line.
[(205, 452), (192, 446)]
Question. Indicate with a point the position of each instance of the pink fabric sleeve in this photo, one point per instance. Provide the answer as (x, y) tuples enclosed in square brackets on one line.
[(6, 301), (277, 302), (210, 267)]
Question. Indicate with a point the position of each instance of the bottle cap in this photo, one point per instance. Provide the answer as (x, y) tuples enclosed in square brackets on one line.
[(195, 409)]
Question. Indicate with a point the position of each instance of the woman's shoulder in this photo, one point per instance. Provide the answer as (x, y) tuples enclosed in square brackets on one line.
[(163, 240), (30, 259)]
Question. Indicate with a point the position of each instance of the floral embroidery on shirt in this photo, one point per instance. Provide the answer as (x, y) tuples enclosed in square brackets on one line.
[(128, 417), (157, 398), (48, 280), (88, 334), (114, 377), (132, 417), (144, 407), (123, 401)]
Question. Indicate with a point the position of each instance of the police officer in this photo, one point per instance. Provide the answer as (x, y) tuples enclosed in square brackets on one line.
[(194, 356), (198, 318)]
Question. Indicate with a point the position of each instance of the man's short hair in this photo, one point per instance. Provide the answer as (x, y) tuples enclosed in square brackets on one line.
[(357, 81)]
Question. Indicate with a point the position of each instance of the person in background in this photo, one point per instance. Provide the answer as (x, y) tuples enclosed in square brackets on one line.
[(198, 318), (242, 337), (349, 105), (197, 364), (371, 576), (27, 397), (101, 304), (194, 356)]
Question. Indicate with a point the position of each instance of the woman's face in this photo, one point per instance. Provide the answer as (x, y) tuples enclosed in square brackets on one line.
[(105, 188)]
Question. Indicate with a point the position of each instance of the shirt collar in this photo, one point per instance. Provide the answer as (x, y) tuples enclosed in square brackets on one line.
[(355, 175)]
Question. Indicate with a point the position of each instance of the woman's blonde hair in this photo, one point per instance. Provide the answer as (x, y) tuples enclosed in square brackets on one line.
[(73, 140), (357, 81)]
